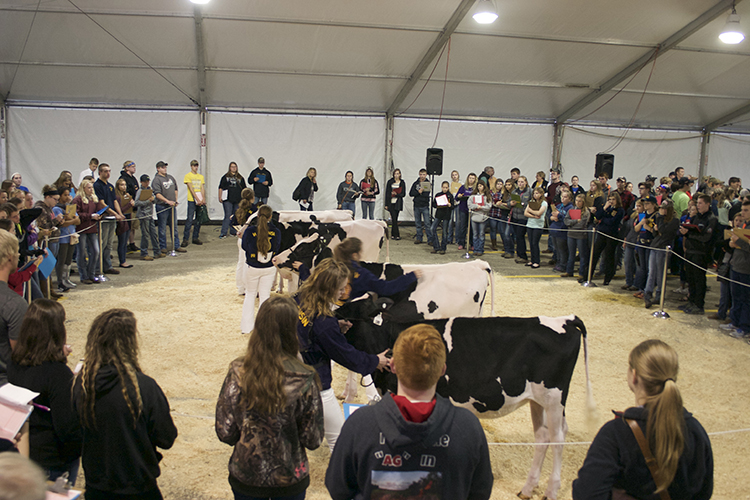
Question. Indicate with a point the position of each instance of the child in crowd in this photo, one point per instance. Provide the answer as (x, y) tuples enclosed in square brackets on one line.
[(145, 213), (534, 213), (455, 186), (463, 215), (247, 208), (67, 246), (443, 203)]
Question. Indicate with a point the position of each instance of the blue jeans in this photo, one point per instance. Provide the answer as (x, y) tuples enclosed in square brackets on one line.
[(122, 246), (368, 209), (164, 219), (629, 264), (108, 228), (655, 272), (350, 205), (461, 228), (494, 228), (88, 246), (436, 244), (509, 237), (229, 210), (520, 232), (148, 231), (453, 224), (582, 246), (535, 236), (478, 228), (191, 221), (422, 221), (725, 298), (740, 312), (550, 241), (560, 246), (261, 201), (641, 270)]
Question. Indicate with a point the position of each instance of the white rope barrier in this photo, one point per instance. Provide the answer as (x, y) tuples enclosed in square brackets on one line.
[(92, 225)]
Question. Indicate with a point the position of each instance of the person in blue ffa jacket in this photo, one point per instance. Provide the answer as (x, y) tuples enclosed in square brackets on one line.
[(260, 243)]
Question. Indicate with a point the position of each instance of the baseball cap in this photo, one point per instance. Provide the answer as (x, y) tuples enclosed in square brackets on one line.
[(145, 178), (161, 164), (261, 160), (193, 162), (649, 199), (622, 179)]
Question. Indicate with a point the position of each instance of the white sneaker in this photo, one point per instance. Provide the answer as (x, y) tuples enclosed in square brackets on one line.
[(738, 334), (681, 291), (728, 327)]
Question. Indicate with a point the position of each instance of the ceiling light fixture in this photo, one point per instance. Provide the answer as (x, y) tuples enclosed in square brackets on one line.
[(200, 2), (485, 12), (732, 32)]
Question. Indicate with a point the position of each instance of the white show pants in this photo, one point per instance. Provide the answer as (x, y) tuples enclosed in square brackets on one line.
[(239, 274), (258, 282), (333, 417)]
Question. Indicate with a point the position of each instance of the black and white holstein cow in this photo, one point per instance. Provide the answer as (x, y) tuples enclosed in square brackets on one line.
[(494, 366), (420, 301), (311, 242)]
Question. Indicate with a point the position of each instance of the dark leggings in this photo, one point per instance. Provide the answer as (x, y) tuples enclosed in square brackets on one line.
[(394, 220)]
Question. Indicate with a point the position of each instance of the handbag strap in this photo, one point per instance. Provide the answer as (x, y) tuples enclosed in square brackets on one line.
[(653, 466)]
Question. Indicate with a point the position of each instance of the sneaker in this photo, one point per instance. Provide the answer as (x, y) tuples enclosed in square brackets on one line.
[(442, 252), (88, 282), (184, 243), (519, 260), (507, 255), (681, 291), (180, 250), (146, 257), (434, 250), (418, 242), (728, 327), (62, 289), (738, 334), (69, 283), (111, 271), (225, 237), (196, 241)]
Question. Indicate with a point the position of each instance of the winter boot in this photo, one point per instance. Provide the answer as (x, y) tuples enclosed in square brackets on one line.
[(493, 244)]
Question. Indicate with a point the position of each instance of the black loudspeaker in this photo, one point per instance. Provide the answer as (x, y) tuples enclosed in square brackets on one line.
[(605, 164), (434, 163)]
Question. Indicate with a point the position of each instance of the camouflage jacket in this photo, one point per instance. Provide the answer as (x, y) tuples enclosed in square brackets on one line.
[(269, 450)]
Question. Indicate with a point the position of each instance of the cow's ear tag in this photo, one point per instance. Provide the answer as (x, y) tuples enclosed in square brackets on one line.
[(378, 320)]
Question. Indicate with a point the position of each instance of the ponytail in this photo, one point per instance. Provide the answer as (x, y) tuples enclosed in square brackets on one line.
[(263, 243), (656, 365)]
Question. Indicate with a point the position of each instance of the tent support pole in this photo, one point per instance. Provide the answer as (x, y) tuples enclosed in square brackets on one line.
[(703, 164), (388, 167)]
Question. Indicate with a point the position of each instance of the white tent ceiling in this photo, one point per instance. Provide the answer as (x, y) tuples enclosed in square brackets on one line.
[(534, 63)]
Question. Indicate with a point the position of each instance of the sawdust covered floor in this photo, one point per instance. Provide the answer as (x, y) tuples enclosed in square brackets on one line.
[(189, 332)]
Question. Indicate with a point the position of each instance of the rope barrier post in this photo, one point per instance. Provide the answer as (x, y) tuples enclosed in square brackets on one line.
[(172, 226), (661, 313), (468, 228), (49, 277), (588, 283), (100, 277)]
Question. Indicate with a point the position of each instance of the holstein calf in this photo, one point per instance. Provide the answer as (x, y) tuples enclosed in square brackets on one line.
[(495, 366)]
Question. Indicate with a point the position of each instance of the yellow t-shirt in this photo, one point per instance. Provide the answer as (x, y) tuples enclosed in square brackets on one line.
[(196, 180)]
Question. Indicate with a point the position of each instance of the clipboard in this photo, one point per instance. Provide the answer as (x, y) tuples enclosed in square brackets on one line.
[(575, 213), (146, 194), (70, 210), (261, 178), (743, 234), (426, 186), (99, 212), (442, 200)]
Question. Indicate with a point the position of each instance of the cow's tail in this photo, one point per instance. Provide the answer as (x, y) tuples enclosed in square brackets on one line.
[(592, 417)]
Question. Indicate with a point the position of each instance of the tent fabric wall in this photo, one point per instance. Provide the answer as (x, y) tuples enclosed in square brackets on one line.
[(469, 147), (641, 153), (290, 145), (43, 141), (727, 157)]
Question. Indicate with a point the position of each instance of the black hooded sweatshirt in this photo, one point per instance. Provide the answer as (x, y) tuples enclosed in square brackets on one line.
[(119, 457), (379, 451)]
